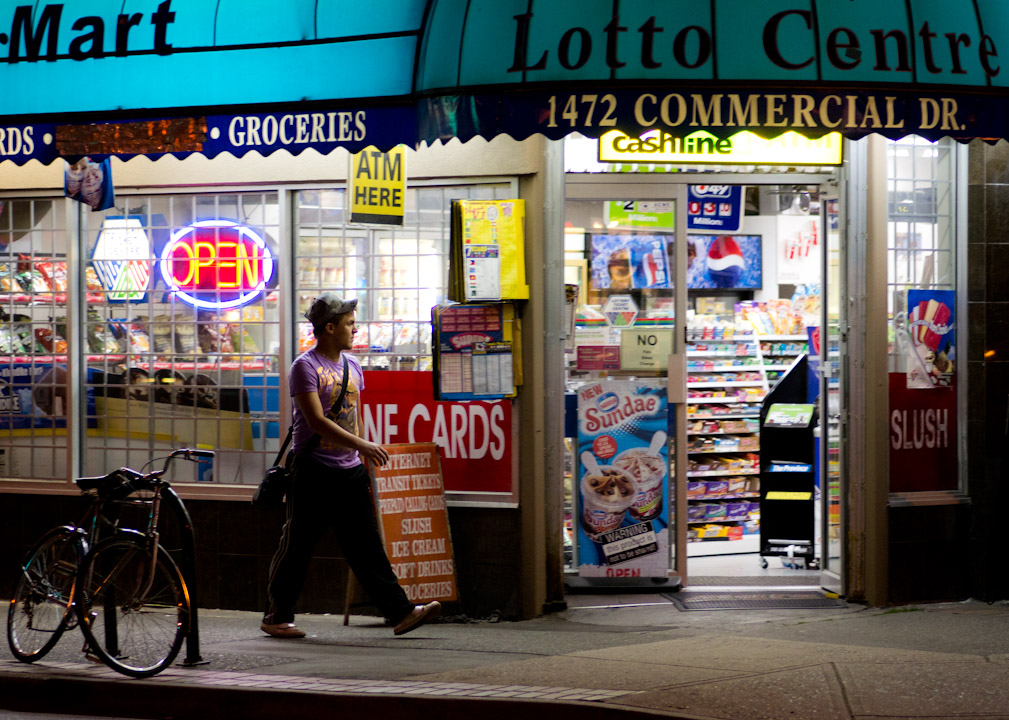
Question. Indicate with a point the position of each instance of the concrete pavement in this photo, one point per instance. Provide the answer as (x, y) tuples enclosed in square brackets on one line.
[(608, 655)]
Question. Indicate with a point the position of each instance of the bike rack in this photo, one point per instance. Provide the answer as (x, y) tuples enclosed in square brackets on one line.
[(188, 568)]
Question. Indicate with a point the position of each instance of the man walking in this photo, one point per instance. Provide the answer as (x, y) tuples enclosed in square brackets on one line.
[(331, 487)]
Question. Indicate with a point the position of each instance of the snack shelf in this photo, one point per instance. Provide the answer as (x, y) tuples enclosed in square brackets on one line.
[(723, 545), (722, 432), (41, 298), (44, 359), (145, 364), (706, 367), (718, 353), (750, 348), (723, 473), (721, 400), (717, 451), (730, 383), (727, 416), (736, 496), (224, 365)]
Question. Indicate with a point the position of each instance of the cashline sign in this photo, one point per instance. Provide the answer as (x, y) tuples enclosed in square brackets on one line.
[(216, 264), (661, 146)]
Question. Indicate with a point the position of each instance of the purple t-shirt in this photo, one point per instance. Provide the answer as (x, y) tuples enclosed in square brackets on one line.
[(312, 372)]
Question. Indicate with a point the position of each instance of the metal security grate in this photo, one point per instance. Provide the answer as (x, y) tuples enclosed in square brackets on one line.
[(783, 600)]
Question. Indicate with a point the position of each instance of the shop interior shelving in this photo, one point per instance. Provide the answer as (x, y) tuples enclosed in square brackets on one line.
[(725, 384), (728, 375)]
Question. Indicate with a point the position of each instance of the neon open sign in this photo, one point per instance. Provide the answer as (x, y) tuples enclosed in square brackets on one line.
[(216, 264)]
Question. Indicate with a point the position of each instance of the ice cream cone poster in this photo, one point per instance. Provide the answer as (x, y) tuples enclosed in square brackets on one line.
[(622, 513), (90, 182), (932, 346)]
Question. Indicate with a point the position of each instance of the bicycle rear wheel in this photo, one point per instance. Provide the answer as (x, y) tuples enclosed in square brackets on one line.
[(42, 600), (134, 628)]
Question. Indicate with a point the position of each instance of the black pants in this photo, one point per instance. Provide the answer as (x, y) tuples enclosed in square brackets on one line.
[(323, 496)]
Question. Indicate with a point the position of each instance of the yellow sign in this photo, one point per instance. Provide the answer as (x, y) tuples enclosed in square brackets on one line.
[(492, 234), (378, 186), (659, 146), (785, 495), (645, 349)]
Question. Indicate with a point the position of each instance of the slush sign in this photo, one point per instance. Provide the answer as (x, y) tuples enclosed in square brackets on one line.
[(216, 264)]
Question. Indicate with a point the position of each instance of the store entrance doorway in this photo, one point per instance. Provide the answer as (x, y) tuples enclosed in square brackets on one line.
[(755, 299)]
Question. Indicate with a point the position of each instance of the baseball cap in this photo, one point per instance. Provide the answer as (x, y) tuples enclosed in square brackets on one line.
[(326, 307)]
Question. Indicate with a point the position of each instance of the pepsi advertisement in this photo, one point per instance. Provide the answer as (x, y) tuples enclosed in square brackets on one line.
[(630, 262), (724, 262), (623, 510)]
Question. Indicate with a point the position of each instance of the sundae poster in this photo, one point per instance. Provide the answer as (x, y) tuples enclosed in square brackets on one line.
[(622, 510), (932, 347), (724, 262), (630, 262)]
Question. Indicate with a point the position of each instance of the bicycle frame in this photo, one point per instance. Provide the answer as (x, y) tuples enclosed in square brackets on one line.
[(101, 524)]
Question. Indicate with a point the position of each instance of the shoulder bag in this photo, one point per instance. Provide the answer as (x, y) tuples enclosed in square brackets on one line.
[(277, 480)]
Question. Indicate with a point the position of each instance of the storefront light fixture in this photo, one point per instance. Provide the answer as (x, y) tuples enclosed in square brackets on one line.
[(216, 264)]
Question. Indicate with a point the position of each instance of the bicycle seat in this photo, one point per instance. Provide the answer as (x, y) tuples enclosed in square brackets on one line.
[(118, 483)]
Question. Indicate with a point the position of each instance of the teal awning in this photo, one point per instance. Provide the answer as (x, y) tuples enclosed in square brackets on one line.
[(334, 73)]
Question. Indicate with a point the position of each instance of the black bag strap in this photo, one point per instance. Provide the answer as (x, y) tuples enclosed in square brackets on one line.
[(314, 440), (283, 445)]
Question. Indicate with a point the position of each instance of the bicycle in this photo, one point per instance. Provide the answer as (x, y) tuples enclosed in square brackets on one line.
[(119, 585)]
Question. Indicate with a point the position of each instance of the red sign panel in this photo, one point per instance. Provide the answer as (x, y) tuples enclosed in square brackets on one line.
[(475, 437), (923, 438)]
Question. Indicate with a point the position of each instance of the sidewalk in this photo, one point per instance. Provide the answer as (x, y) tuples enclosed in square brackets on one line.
[(612, 656)]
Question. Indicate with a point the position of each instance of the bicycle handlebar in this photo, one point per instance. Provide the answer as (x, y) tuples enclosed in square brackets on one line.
[(191, 454), (120, 483)]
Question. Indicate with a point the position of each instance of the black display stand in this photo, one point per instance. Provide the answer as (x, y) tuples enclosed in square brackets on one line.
[(787, 466)]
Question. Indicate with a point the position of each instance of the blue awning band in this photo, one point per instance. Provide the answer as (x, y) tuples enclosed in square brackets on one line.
[(265, 75)]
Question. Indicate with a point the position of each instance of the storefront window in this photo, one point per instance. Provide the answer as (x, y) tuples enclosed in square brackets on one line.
[(920, 228), (33, 355), (921, 280), (397, 273), (181, 332)]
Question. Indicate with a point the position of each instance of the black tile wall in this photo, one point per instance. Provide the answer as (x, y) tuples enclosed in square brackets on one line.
[(996, 162), (997, 272), (927, 547), (987, 376), (977, 259), (975, 214), (997, 330), (996, 213)]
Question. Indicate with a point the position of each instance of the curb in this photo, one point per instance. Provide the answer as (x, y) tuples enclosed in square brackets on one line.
[(154, 700)]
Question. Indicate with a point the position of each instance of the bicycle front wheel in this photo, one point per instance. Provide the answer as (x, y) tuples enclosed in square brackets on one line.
[(41, 603), (133, 606)]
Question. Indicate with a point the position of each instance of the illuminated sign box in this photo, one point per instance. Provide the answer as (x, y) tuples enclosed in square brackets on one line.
[(216, 264), (659, 146), (121, 259)]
